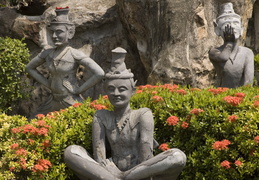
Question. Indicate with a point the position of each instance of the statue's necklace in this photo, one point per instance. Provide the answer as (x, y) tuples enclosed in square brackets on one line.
[(121, 122)]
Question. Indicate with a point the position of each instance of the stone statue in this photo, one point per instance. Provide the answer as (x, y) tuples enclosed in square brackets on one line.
[(62, 62), (127, 134), (234, 64)]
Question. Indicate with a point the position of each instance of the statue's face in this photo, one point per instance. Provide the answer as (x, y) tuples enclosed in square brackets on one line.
[(59, 34), (119, 91), (232, 21)]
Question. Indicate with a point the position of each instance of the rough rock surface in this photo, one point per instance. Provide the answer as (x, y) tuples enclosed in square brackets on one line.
[(167, 40), (173, 37)]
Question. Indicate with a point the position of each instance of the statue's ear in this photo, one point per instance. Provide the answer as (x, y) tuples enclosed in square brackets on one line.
[(71, 31), (216, 28)]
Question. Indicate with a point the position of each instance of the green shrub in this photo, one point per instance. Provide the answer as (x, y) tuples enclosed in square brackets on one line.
[(13, 57), (216, 128)]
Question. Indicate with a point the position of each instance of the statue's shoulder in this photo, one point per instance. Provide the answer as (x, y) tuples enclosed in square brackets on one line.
[(77, 54), (45, 52), (138, 115), (245, 50), (104, 117)]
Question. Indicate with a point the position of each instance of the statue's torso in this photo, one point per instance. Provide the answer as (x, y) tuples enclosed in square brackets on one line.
[(125, 143)]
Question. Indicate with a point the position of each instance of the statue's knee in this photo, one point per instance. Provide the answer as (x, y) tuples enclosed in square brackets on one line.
[(179, 157), (68, 153)]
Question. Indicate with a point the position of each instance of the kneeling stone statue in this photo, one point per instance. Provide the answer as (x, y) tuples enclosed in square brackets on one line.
[(127, 133)]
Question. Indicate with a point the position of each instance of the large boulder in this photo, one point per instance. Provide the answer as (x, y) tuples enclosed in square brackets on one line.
[(173, 37)]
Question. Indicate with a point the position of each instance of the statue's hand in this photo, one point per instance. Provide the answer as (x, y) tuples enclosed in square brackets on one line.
[(69, 87), (229, 35), (112, 168)]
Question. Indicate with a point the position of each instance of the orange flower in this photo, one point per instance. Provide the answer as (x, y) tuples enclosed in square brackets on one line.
[(154, 92), (196, 111), (172, 120), (164, 147), (238, 163), (185, 125), (139, 91), (256, 139), (218, 90), (98, 106), (15, 130), (39, 116), (233, 118), (231, 100), (256, 104), (42, 165), (11, 168), (21, 152), (157, 98), (77, 105), (225, 164), (241, 95), (221, 145), (105, 97), (181, 91), (14, 146)]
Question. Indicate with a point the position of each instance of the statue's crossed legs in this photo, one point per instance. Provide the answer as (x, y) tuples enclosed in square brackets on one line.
[(165, 166)]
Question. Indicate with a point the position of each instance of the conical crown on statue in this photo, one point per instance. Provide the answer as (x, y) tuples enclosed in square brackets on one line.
[(226, 10), (118, 68)]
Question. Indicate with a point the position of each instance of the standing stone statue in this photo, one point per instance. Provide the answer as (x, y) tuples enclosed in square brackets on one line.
[(62, 62), (234, 64), (127, 133)]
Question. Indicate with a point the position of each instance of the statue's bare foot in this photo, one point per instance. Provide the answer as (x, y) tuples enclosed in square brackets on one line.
[(112, 168)]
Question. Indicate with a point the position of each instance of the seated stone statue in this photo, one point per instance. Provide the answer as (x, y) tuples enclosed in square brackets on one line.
[(62, 62), (127, 134), (234, 64)]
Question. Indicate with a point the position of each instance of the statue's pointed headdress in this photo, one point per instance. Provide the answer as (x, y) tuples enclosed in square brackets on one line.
[(226, 10), (118, 68), (61, 16)]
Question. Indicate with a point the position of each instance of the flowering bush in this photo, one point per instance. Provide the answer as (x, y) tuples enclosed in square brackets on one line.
[(217, 128)]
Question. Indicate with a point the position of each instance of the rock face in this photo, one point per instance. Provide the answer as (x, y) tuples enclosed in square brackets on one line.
[(167, 40), (173, 37)]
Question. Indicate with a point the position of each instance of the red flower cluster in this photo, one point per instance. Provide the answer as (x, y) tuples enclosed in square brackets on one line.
[(139, 91), (77, 105), (196, 111), (57, 8), (185, 125), (256, 139), (14, 146), (256, 104), (21, 152), (181, 91), (154, 92), (42, 165), (148, 86), (40, 116), (157, 99), (232, 100), (218, 90), (164, 147), (225, 164), (28, 128), (221, 145), (238, 163), (23, 163), (241, 95), (97, 106), (172, 120), (233, 118)]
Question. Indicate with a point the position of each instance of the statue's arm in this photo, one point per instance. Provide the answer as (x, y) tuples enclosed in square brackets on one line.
[(98, 139), (146, 136), (97, 73), (33, 72), (249, 68), (223, 55)]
